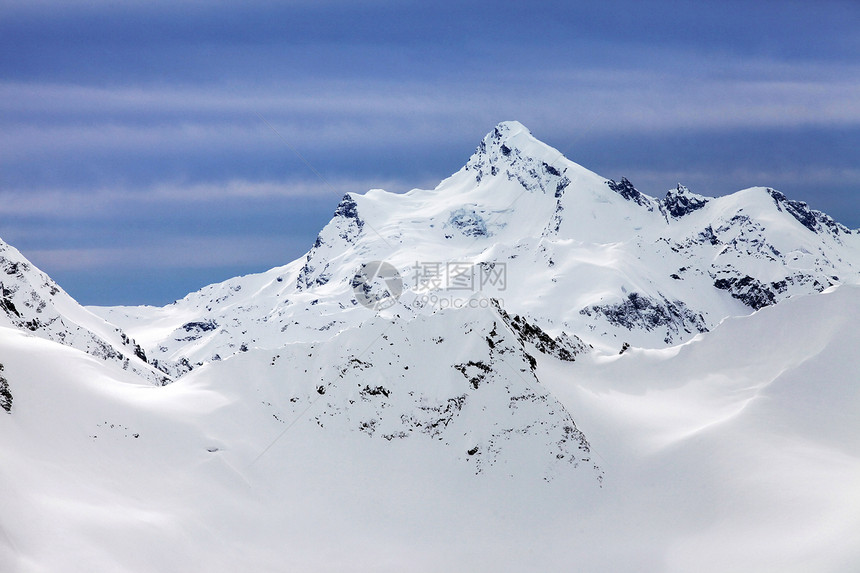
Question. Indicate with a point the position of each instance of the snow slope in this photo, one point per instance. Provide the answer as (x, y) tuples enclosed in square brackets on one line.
[(735, 451)]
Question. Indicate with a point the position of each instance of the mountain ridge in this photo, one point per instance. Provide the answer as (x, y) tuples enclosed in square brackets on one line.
[(31, 301), (622, 266)]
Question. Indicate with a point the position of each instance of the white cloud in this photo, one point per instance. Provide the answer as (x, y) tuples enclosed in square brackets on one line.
[(177, 252), (75, 203), (337, 114)]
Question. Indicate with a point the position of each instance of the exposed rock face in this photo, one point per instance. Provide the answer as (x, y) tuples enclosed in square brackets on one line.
[(5, 392), (626, 189), (680, 202), (815, 221), (651, 314), (498, 155)]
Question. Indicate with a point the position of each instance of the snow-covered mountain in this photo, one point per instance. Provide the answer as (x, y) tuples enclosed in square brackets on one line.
[(32, 301), (530, 367), (570, 250)]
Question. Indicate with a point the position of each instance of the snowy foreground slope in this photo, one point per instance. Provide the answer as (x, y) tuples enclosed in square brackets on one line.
[(735, 451), (626, 384)]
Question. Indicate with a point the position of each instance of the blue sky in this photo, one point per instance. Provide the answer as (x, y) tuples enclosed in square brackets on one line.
[(134, 166)]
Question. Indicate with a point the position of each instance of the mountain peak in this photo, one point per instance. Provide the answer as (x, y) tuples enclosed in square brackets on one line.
[(681, 201), (504, 139), (511, 150), (509, 136), (510, 128)]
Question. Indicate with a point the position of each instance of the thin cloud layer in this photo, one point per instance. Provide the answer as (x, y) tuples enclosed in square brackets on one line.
[(177, 252), (87, 203)]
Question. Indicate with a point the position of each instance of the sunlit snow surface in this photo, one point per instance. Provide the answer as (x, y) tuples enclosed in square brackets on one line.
[(305, 432)]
